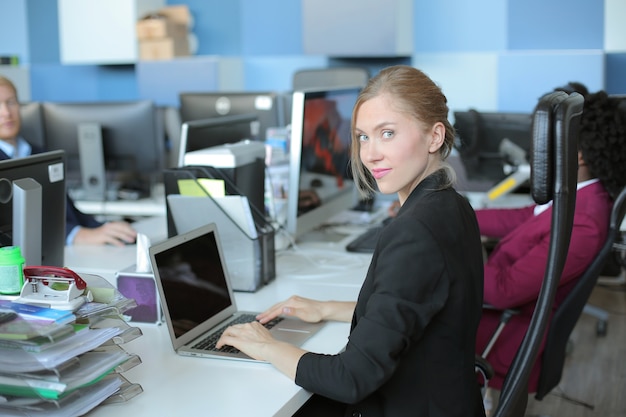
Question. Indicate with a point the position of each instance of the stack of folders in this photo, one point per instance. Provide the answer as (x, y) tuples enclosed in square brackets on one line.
[(65, 363)]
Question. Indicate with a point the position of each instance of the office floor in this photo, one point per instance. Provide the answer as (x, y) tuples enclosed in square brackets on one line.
[(595, 371)]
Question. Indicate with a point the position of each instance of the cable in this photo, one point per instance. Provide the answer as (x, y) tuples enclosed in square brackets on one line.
[(323, 262)]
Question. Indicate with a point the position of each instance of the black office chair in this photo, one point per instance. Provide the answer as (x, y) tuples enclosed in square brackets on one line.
[(553, 177), (570, 310), (32, 124)]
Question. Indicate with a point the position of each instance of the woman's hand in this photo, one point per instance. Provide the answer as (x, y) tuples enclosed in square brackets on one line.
[(255, 340), (311, 311), (250, 338)]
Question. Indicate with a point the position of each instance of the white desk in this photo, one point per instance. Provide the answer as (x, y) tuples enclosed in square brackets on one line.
[(145, 207), (184, 386)]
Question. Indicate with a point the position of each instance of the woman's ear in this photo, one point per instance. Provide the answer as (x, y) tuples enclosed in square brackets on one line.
[(581, 161), (437, 137)]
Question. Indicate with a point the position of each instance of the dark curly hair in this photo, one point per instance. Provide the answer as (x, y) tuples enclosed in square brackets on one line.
[(602, 140), (574, 87)]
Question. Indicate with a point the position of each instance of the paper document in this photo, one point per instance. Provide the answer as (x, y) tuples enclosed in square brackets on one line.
[(238, 208)]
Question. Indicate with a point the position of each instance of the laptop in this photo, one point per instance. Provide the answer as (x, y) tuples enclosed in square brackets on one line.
[(197, 296)]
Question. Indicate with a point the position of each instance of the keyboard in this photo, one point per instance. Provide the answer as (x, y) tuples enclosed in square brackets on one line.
[(208, 343), (366, 242)]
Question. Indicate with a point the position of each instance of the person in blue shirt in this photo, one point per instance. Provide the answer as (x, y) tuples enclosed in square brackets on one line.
[(80, 228)]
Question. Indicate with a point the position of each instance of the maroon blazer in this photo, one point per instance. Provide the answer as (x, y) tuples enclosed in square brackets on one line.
[(515, 269)]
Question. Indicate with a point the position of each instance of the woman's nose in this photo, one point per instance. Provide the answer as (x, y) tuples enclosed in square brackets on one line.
[(371, 152)]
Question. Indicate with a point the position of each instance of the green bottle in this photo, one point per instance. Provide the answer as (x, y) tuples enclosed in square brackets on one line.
[(11, 270)]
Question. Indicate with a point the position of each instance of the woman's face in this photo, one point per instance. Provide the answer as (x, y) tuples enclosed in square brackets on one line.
[(9, 113), (395, 147)]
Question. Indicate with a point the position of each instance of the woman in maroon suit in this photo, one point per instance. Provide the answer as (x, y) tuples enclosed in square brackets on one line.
[(515, 268)]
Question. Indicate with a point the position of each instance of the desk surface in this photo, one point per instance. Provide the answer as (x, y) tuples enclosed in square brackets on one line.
[(176, 385)]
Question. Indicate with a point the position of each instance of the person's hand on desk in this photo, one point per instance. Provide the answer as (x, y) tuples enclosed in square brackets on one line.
[(112, 233), (255, 340), (312, 311)]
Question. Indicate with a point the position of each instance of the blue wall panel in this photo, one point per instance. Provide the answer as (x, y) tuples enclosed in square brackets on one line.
[(562, 24), (459, 25), (162, 81), (616, 73), (217, 25), (43, 31), (14, 29), (56, 82), (271, 27), (526, 76), (117, 83), (267, 37), (276, 73)]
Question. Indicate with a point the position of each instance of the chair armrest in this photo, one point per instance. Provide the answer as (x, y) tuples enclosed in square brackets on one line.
[(484, 367)]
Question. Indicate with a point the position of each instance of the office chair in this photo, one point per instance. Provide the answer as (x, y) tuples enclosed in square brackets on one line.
[(32, 128), (330, 77), (553, 177), (571, 308)]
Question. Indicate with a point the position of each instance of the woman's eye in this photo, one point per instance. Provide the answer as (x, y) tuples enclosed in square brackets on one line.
[(387, 134), (362, 138)]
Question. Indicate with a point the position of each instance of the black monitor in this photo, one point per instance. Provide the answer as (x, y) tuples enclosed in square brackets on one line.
[(48, 170), (215, 131), (132, 141), (320, 156), (267, 105), (479, 135)]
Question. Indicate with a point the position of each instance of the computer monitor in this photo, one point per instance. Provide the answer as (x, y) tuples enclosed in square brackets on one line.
[(214, 131), (479, 136), (48, 170), (267, 105), (320, 157), (132, 138)]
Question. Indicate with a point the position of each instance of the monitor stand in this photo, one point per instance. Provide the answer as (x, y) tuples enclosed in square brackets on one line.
[(27, 219), (91, 155)]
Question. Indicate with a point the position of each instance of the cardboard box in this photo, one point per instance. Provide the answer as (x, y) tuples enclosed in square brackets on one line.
[(178, 14), (159, 27), (165, 48)]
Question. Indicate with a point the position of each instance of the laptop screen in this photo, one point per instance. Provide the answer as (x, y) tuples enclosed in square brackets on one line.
[(193, 281)]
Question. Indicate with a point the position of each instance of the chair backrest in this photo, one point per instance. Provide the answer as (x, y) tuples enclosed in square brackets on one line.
[(330, 77), (568, 313), (32, 128), (553, 177)]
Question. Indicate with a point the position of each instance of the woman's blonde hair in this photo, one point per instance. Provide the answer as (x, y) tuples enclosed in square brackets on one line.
[(416, 95)]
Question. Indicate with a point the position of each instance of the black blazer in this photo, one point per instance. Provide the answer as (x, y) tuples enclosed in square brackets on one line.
[(73, 216), (412, 341)]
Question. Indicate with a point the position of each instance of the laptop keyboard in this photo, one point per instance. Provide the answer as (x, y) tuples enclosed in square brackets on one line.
[(208, 343)]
